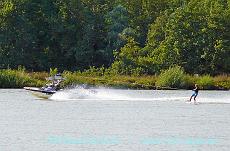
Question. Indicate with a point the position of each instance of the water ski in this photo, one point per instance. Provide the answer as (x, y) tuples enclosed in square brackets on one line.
[(191, 102)]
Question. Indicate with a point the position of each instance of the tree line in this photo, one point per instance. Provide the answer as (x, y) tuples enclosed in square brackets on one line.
[(124, 36)]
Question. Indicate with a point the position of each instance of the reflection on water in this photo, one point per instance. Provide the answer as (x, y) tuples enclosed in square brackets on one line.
[(106, 119)]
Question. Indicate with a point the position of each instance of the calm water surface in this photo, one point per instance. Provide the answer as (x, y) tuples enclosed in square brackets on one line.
[(114, 120)]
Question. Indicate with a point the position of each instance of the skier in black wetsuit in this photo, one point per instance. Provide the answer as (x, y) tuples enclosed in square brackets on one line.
[(195, 93)]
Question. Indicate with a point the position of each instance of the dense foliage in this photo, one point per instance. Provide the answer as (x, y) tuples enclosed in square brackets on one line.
[(173, 78), (131, 37)]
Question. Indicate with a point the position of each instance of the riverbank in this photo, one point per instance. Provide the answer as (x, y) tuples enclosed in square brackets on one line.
[(20, 78), (148, 82)]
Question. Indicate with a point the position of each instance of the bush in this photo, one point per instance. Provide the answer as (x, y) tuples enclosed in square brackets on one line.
[(224, 85), (39, 75), (206, 82), (172, 78), (189, 82), (93, 71), (118, 68), (222, 82), (17, 79), (53, 71)]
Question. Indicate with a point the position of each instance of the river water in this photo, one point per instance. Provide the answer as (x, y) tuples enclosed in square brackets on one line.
[(114, 120)]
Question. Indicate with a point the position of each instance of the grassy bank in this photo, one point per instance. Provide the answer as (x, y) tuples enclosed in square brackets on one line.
[(167, 80), (18, 79), (205, 82)]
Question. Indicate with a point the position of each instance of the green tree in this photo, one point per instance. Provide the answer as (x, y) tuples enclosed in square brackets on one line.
[(117, 21), (192, 38), (127, 59)]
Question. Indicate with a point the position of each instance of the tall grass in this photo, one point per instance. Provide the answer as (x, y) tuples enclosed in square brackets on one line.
[(172, 78), (39, 75), (145, 82), (222, 82), (17, 79), (206, 82)]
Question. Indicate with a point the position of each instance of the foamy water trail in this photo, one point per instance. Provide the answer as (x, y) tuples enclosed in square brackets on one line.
[(80, 93)]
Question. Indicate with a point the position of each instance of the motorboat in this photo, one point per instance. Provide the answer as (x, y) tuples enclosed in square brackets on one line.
[(49, 89)]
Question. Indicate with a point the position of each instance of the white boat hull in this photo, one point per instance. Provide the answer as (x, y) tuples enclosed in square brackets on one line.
[(41, 95)]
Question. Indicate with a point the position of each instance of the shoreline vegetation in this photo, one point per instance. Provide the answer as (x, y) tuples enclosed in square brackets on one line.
[(171, 79), (135, 37), (135, 44)]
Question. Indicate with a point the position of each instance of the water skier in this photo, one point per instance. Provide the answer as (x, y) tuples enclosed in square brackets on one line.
[(195, 93)]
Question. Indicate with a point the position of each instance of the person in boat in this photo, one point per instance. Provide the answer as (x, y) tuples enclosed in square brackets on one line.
[(195, 93), (55, 84)]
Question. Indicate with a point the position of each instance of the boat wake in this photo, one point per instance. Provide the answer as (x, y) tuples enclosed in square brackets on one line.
[(80, 93)]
